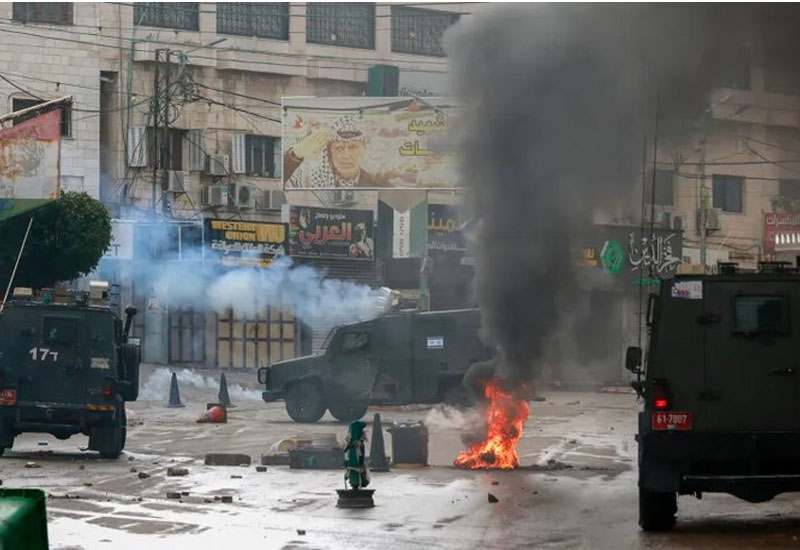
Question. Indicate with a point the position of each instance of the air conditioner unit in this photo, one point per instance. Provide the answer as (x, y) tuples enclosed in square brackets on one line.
[(271, 200), (653, 214), (177, 181), (713, 219), (218, 165), (215, 195), (243, 196)]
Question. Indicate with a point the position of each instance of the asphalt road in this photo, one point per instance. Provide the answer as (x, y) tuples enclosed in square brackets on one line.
[(576, 489)]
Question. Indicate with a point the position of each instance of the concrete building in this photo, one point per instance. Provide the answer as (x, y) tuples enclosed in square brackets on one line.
[(218, 72)]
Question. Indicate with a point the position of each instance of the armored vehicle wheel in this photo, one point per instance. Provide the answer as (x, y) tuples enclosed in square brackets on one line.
[(347, 409), (109, 439), (304, 402), (657, 510)]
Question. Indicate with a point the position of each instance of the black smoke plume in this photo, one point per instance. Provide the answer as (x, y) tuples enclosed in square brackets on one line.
[(556, 99)]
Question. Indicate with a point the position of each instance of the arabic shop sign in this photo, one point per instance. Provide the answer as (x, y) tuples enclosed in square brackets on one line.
[(639, 260), (244, 243), (331, 233), (444, 229)]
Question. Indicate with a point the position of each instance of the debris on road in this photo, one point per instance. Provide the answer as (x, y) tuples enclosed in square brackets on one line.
[(227, 459), (236, 476), (42, 443), (81, 467), (495, 483), (301, 531), (173, 494), (32, 465), (177, 471), (493, 499), (216, 414), (143, 475), (261, 468)]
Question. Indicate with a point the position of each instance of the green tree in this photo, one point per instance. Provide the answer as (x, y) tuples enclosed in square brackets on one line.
[(67, 239)]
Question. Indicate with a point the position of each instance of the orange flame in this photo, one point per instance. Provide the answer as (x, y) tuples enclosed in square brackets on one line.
[(506, 414)]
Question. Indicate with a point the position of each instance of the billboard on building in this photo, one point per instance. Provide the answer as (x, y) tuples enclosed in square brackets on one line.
[(444, 229), (237, 243), (331, 233), (367, 142), (781, 232), (29, 163)]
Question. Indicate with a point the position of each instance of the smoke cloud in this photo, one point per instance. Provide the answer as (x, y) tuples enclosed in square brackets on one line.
[(556, 100)]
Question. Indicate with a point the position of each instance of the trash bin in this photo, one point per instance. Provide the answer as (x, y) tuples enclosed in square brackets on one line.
[(23, 519), (409, 444)]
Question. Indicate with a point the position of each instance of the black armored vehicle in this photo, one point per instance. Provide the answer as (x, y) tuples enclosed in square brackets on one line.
[(67, 366), (397, 359), (721, 389)]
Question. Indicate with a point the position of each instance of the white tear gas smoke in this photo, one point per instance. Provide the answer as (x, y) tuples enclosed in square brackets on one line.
[(156, 387), (556, 99), (301, 289)]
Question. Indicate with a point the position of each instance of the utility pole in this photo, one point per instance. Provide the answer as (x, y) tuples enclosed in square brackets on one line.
[(166, 143), (155, 116), (702, 196)]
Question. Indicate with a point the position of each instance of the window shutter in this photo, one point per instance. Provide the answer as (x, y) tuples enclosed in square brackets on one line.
[(238, 156), (194, 156), (137, 147), (277, 157)]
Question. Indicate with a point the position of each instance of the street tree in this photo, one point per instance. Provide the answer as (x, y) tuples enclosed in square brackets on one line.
[(67, 239)]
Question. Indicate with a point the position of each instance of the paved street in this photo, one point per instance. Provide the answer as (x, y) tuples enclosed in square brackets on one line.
[(576, 489)]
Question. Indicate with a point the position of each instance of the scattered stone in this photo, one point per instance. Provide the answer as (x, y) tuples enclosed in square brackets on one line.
[(134, 470), (88, 484), (301, 531), (130, 458), (32, 465), (495, 483), (573, 403), (227, 459), (42, 443), (261, 468), (226, 498), (177, 471), (173, 494), (493, 499), (185, 493), (81, 467), (236, 476), (143, 475), (573, 441)]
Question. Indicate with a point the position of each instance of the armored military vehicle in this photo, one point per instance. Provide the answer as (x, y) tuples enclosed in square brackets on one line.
[(398, 359), (721, 390), (67, 366)]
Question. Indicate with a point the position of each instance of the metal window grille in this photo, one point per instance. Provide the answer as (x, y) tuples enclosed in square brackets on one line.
[(171, 15), (419, 31), (262, 19), (341, 24), (43, 12)]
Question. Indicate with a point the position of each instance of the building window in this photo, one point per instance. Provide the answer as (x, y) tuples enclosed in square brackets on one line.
[(419, 31), (728, 193), (260, 156), (789, 189), (59, 13), (171, 15), (348, 24), (262, 19), (19, 103), (665, 194)]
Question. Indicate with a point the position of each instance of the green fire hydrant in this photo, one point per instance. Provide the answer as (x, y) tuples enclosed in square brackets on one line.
[(356, 473)]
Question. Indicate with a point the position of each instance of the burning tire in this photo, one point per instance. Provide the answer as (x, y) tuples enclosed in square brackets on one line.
[(657, 510), (305, 402)]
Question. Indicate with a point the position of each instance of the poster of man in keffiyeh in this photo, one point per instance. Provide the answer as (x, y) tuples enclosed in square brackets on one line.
[(368, 143)]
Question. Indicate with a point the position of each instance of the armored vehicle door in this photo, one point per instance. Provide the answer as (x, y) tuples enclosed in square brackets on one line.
[(52, 368), (750, 370), (394, 383), (433, 340), (355, 359)]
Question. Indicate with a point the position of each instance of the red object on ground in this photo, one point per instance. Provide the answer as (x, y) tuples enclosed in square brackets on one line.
[(214, 415)]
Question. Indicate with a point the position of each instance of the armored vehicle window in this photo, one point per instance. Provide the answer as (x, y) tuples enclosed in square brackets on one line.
[(354, 341), (60, 330), (760, 315)]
